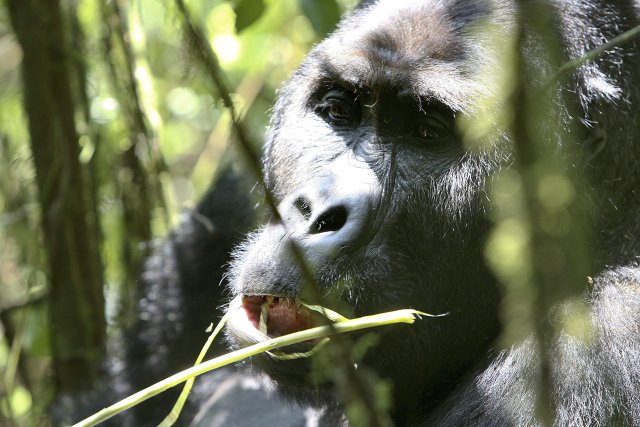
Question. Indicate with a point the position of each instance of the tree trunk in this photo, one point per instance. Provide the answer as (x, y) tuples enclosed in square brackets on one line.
[(76, 301)]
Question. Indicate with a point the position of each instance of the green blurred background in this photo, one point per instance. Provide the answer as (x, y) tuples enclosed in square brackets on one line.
[(120, 48)]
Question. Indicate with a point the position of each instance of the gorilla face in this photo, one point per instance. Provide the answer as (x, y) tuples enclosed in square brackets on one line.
[(380, 194)]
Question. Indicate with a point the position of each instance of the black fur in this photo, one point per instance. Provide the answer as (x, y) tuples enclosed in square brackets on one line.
[(349, 132), (180, 294)]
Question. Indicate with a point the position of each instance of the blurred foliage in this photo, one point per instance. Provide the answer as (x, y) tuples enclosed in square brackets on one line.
[(259, 43)]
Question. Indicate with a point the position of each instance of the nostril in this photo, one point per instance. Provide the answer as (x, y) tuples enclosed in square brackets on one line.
[(303, 206), (331, 220)]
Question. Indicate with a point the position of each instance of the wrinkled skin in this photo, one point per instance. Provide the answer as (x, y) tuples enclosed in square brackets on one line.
[(377, 189)]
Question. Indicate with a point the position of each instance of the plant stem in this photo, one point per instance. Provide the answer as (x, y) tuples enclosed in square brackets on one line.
[(398, 316)]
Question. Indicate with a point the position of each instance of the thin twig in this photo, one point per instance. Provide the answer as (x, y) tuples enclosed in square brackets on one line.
[(574, 64), (392, 317)]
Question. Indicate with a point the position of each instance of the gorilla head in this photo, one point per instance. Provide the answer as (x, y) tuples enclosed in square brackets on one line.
[(377, 189)]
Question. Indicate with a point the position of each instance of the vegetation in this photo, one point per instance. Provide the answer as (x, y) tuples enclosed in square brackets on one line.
[(108, 129), (114, 117)]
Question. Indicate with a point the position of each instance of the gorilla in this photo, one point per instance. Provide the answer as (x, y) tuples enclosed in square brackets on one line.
[(379, 192)]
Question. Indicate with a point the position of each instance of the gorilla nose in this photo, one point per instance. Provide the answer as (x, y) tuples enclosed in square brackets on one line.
[(320, 219), (331, 219), (324, 222)]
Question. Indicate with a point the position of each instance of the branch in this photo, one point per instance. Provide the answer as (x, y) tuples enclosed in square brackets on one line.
[(572, 65), (381, 319)]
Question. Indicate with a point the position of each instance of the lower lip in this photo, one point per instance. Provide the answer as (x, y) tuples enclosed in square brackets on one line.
[(240, 326)]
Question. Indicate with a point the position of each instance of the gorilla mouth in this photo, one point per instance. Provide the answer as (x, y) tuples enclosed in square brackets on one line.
[(276, 316), (256, 318)]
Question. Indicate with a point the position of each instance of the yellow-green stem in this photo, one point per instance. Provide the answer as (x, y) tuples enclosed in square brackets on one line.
[(398, 316)]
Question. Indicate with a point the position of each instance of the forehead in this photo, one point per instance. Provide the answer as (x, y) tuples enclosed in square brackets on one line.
[(428, 48)]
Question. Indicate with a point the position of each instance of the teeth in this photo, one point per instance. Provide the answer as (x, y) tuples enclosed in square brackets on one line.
[(264, 314)]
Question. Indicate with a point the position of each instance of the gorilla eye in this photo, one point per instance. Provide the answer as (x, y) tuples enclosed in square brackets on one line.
[(340, 108), (435, 127), (338, 111)]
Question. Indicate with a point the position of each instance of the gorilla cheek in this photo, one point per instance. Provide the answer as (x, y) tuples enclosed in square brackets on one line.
[(267, 267)]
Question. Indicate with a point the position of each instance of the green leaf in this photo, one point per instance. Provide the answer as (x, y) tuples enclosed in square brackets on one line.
[(247, 12), (322, 14)]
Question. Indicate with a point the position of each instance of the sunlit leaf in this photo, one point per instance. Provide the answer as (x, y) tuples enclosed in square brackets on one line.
[(323, 14), (19, 400), (247, 12)]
